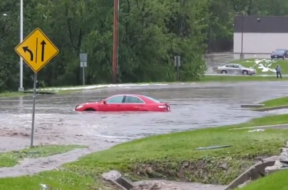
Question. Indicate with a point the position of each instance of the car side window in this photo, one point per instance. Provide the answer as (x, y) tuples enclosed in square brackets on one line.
[(229, 65), (115, 100), (236, 66), (133, 100)]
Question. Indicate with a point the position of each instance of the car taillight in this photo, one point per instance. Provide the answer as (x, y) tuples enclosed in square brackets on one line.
[(162, 107)]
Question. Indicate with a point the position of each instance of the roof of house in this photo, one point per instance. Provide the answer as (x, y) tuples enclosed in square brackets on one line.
[(261, 24)]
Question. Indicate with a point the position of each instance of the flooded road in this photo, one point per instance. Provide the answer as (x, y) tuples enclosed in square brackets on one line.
[(193, 106)]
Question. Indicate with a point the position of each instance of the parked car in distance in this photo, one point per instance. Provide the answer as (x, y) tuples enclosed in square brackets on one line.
[(232, 68), (279, 54), (125, 102)]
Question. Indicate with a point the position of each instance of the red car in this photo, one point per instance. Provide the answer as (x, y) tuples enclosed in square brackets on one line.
[(125, 102)]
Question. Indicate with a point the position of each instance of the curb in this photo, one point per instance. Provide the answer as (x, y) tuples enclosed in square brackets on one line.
[(253, 173), (39, 92), (279, 126), (272, 108), (281, 163), (252, 105), (116, 179)]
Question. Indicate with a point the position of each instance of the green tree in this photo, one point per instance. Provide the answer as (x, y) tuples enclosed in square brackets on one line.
[(151, 33)]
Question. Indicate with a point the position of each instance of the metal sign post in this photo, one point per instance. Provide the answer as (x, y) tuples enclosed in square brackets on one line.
[(177, 64), (33, 111), (37, 50), (83, 64)]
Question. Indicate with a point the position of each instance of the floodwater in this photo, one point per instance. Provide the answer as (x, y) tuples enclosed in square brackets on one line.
[(193, 106)]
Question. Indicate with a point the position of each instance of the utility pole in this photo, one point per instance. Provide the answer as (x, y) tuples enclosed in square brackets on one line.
[(21, 89), (115, 41), (242, 27)]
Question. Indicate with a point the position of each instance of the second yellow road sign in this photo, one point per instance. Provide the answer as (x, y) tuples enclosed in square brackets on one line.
[(37, 50)]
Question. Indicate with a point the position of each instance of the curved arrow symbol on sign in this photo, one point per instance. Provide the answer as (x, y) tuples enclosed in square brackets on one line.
[(26, 49)]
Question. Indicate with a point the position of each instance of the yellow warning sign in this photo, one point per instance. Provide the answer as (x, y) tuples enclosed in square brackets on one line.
[(37, 50)]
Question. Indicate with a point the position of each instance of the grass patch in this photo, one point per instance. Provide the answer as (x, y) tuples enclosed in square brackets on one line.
[(264, 66), (275, 181), (19, 94), (9, 159), (277, 102), (171, 156), (11, 94), (229, 78)]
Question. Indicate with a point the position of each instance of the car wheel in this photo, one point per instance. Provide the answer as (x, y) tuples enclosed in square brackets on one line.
[(223, 72), (245, 72), (90, 109)]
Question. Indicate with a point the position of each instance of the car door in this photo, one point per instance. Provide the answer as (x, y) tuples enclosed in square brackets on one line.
[(236, 69), (229, 68), (114, 103), (133, 103)]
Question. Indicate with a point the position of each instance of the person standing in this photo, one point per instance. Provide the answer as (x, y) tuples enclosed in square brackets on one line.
[(278, 72)]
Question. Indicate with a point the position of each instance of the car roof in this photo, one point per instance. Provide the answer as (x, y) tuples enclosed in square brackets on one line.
[(233, 64), (130, 94), (137, 95)]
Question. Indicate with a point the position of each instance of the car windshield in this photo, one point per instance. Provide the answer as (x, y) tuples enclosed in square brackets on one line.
[(152, 99)]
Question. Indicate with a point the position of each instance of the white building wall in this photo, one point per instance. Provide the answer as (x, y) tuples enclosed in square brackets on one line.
[(259, 45)]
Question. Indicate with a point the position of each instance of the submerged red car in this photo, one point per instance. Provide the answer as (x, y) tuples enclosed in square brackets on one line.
[(125, 102)]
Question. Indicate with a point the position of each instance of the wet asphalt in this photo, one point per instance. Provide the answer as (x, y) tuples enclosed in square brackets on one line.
[(195, 105)]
